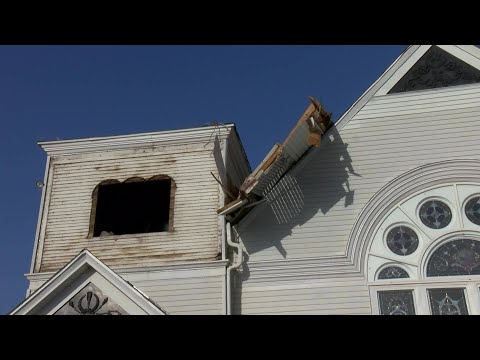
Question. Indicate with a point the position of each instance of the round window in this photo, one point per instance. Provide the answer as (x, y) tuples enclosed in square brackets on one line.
[(435, 214), (472, 210), (402, 240)]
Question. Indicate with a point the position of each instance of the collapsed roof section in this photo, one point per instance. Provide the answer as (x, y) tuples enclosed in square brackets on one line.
[(306, 133)]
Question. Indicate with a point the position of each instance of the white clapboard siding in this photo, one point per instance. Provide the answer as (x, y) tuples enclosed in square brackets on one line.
[(196, 233), (183, 292), (380, 147), (335, 296), (389, 136), (197, 290)]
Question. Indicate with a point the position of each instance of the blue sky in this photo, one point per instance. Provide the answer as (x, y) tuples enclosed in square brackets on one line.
[(65, 92)]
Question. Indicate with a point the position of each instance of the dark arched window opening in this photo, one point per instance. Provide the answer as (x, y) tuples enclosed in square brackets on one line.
[(134, 206)]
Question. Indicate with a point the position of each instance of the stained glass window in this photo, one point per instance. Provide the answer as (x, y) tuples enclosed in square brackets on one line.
[(396, 302), (448, 302), (402, 240), (435, 214), (393, 272), (472, 210), (458, 257)]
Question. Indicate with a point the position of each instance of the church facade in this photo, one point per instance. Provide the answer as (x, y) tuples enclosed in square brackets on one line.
[(378, 213)]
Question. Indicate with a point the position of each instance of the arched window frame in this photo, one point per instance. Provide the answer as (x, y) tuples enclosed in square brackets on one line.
[(418, 283)]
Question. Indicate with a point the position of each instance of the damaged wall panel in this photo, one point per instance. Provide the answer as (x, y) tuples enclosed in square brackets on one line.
[(195, 234)]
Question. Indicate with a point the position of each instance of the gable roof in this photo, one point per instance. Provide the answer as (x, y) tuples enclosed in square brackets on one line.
[(78, 265), (469, 54)]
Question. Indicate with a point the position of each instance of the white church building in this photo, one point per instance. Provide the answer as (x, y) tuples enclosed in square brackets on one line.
[(378, 213)]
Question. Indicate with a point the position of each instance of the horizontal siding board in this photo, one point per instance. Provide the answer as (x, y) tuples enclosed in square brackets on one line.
[(319, 303), (437, 118), (209, 290), (289, 295), (420, 106), (203, 312), (297, 310), (342, 295), (415, 100), (200, 294), (175, 282), (448, 92), (419, 112)]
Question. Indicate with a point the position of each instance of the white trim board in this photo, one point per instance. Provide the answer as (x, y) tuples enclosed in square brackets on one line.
[(160, 138), (470, 54), (83, 263)]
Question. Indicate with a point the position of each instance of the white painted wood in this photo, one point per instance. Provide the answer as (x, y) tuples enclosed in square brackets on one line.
[(372, 90), (389, 136), (421, 297), (196, 235), (470, 57), (180, 292), (349, 296), (298, 262), (376, 158), (40, 215), (82, 269), (402, 70), (187, 288), (135, 141)]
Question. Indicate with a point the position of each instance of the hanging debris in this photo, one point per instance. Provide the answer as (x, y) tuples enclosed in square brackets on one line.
[(306, 133)]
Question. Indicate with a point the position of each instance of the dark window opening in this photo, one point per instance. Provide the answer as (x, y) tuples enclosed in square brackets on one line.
[(132, 207)]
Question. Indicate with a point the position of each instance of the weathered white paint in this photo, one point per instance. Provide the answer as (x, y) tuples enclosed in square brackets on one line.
[(298, 262), (384, 137), (179, 268), (196, 234), (81, 270), (187, 288), (40, 215), (134, 141)]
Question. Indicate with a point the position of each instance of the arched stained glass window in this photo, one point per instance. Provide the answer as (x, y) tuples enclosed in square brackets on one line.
[(458, 257), (393, 272)]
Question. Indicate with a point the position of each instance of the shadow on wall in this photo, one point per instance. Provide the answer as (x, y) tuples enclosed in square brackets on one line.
[(319, 185)]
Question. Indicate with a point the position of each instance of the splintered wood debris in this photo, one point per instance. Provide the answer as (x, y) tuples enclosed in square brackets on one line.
[(306, 133)]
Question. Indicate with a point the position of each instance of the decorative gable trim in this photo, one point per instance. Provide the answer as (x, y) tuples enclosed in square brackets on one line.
[(469, 54), (435, 69), (76, 267)]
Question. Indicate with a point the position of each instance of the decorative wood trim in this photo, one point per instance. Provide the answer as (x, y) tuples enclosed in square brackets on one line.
[(172, 137), (399, 189), (435, 69), (40, 214), (76, 267)]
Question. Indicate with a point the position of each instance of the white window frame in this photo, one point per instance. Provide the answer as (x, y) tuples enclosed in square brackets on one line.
[(421, 300)]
